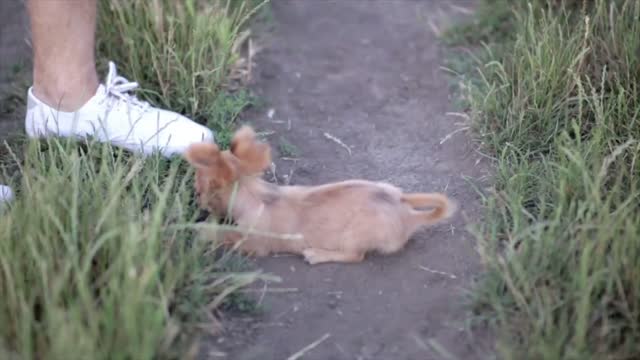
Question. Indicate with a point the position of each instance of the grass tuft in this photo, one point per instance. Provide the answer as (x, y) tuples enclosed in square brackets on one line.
[(183, 53), (557, 103), (97, 258)]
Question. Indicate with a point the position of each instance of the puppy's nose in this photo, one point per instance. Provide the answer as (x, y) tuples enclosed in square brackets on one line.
[(203, 215)]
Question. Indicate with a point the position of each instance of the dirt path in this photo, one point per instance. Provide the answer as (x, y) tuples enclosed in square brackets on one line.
[(367, 73)]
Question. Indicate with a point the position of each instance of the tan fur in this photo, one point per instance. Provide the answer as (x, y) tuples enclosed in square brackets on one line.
[(337, 222)]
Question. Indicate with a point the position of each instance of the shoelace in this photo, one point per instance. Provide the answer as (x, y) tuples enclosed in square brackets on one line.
[(119, 88), (6, 195)]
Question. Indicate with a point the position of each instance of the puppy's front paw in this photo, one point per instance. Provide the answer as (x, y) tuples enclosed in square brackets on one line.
[(311, 256)]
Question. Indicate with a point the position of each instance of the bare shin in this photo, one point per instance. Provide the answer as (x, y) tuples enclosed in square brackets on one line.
[(63, 39)]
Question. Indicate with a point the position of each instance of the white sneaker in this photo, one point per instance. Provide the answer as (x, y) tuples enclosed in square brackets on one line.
[(115, 116), (6, 194)]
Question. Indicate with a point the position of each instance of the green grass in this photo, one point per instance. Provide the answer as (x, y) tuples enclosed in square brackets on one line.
[(287, 149), (556, 102), (184, 54), (99, 254), (98, 257)]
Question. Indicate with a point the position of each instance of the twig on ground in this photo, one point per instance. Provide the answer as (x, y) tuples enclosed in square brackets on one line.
[(271, 290), (485, 155), (458, 114), (461, 9), (337, 141), (440, 349), (437, 272), (446, 138), (216, 353), (432, 346), (263, 293), (309, 347), (434, 28), (273, 172), (271, 324), (264, 134), (289, 177)]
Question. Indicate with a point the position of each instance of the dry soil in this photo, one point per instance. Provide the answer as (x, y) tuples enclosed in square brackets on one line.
[(356, 89)]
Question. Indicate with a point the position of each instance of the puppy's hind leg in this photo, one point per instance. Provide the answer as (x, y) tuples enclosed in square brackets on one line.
[(316, 256)]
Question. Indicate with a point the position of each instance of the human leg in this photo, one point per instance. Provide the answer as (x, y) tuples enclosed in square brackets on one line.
[(67, 100), (63, 39)]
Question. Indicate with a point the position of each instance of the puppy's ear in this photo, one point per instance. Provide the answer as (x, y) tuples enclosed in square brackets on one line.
[(211, 166), (202, 155), (244, 134), (254, 156)]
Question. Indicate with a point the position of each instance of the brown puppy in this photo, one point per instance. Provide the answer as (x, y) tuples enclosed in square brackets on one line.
[(338, 222)]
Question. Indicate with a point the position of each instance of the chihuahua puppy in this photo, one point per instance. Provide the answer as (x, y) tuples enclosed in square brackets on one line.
[(338, 222)]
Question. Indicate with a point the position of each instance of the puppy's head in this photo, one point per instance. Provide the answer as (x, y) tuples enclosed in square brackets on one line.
[(215, 173)]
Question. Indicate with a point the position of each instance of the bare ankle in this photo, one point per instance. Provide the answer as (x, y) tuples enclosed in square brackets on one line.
[(65, 94)]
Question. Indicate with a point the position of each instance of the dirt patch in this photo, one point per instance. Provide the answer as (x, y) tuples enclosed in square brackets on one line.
[(14, 58), (357, 91)]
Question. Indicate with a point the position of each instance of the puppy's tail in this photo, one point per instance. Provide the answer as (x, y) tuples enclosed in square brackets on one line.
[(443, 207)]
